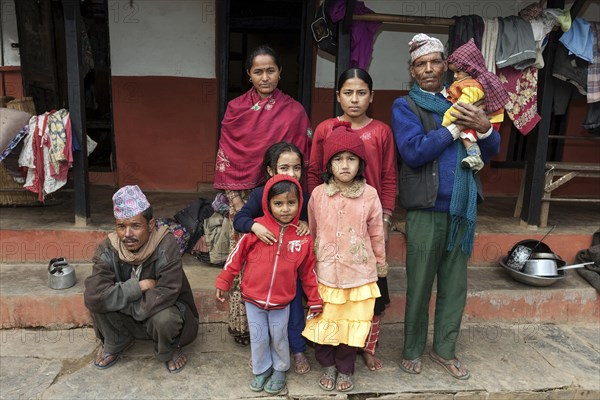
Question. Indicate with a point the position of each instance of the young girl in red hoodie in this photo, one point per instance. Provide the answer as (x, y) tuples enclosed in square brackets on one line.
[(269, 281)]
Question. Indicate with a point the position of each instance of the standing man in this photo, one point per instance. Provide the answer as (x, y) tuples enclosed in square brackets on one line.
[(441, 199), (137, 289)]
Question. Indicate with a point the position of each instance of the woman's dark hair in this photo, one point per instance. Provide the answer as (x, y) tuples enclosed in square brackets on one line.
[(262, 50), (272, 156), (328, 174), (280, 188), (355, 73), (147, 214)]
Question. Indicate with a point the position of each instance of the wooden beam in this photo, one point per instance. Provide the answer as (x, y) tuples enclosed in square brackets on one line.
[(405, 19), (73, 29)]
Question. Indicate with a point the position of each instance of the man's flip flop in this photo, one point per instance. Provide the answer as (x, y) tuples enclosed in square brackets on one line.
[(177, 355), (413, 364), (448, 363), (106, 356)]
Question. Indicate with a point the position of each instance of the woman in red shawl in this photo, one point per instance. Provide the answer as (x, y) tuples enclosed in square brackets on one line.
[(262, 116)]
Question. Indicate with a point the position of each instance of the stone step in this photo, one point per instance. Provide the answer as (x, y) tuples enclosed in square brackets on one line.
[(27, 301), (79, 245), (506, 361)]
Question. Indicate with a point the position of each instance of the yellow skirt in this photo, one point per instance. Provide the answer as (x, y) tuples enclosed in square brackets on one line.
[(346, 317)]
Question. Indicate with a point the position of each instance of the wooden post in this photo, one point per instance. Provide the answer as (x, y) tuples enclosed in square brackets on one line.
[(306, 56), (223, 8), (73, 29), (538, 150), (344, 42)]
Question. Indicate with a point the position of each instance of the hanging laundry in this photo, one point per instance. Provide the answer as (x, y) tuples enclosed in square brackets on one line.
[(363, 33), (579, 40), (593, 78), (489, 42), (560, 16), (47, 153), (570, 68), (522, 92), (516, 45), (465, 27)]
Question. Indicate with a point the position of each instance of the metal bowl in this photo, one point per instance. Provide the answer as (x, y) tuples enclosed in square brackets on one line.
[(532, 279)]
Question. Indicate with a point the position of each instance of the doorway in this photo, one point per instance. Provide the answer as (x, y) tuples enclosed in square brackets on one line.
[(40, 25), (280, 24)]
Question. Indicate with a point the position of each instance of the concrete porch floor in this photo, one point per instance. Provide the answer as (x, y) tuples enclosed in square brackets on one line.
[(495, 214), (38, 233)]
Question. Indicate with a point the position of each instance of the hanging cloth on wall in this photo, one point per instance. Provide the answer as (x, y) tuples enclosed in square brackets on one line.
[(593, 78), (47, 153), (570, 68), (465, 27), (579, 40), (516, 45), (363, 33), (489, 42), (522, 92)]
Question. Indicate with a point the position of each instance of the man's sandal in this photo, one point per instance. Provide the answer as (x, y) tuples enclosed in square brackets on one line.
[(329, 374), (177, 355), (301, 365), (344, 378), (257, 383), (413, 366), (105, 360), (449, 363), (275, 383)]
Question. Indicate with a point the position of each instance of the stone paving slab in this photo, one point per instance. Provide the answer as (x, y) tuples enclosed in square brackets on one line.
[(506, 362)]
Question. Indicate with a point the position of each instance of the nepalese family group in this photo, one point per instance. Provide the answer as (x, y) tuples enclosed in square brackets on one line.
[(319, 233)]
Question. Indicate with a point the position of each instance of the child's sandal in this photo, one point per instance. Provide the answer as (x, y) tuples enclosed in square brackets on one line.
[(329, 374), (343, 378)]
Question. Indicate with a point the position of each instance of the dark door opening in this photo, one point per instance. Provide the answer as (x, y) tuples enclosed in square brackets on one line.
[(279, 24)]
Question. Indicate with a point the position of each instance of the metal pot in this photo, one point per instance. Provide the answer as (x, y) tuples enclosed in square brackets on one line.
[(61, 275), (546, 267), (522, 251), (549, 256)]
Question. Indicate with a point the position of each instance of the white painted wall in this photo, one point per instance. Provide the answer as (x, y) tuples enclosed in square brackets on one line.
[(162, 38), (8, 25), (389, 65)]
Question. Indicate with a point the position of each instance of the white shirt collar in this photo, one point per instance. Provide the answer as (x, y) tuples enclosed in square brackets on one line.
[(443, 92)]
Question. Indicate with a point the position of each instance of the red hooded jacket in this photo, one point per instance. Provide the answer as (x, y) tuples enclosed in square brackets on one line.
[(271, 271)]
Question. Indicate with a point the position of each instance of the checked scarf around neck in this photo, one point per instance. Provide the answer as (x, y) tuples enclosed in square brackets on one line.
[(463, 204)]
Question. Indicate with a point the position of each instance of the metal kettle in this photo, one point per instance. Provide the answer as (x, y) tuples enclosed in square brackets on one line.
[(61, 275)]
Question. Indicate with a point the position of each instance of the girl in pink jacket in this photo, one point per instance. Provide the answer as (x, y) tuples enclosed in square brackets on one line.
[(345, 218)]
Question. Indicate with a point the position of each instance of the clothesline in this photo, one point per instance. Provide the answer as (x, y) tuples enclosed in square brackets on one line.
[(404, 19)]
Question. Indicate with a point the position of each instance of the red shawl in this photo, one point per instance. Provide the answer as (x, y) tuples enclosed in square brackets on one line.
[(249, 127)]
